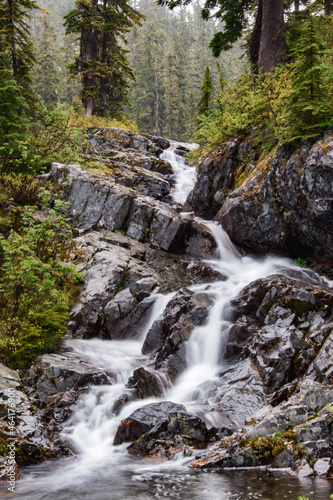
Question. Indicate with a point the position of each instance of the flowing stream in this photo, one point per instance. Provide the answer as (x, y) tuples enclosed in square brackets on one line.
[(102, 471)]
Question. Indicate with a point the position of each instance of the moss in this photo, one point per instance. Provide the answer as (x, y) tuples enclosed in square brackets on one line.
[(266, 448)]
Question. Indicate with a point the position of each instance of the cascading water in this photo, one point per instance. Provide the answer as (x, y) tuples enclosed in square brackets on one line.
[(183, 174), (103, 471)]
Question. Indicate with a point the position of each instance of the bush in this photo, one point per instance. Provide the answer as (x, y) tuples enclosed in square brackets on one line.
[(36, 289)]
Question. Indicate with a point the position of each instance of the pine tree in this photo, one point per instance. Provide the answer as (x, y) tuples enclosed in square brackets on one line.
[(171, 93), (147, 94), (12, 125), (206, 92), (47, 77), (102, 64), (310, 108), (15, 39)]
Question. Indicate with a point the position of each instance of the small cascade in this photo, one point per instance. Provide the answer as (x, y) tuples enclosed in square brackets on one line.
[(94, 424), (184, 174)]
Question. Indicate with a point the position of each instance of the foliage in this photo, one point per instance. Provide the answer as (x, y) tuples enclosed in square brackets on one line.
[(206, 91), (76, 120), (300, 262), (102, 63), (20, 189), (36, 289), (52, 139), (309, 109), (289, 105), (15, 16)]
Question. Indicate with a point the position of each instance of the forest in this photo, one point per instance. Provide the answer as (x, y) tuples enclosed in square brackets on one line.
[(166, 177), (177, 69)]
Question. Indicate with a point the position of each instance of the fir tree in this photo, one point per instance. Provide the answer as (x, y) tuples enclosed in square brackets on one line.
[(47, 77), (102, 63), (310, 108), (15, 39), (206, 92), (12, 125), (147, 94)]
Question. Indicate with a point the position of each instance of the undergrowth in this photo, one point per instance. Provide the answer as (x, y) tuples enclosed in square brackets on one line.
[(36, 289)]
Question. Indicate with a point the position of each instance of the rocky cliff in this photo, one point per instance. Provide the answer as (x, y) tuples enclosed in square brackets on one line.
[(278, 202)]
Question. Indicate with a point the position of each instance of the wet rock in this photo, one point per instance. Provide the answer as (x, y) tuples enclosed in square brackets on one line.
[(120, 276), (167, 335), (146, 384), (125, 316), (303, 469), (285, 459), (95, 203), (141, 289), (239, 393), (55, 374), (146, 418), (172, 438), (215, 173), (6, 473), (285, 204), (322, 467), (284, 324), (34, 442), (102, 140), (315, 429)]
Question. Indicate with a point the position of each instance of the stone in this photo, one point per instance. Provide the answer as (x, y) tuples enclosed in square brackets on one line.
[(280, 323), (322, 466), (146, 418), (145, 383), (54, 373), (284, 460), (303, 469), (167, 334)]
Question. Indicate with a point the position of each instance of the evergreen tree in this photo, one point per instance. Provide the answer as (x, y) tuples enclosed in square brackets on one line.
[(206, 92), (47, 77), (12, 126), (267, 46), (102, 63), (310, 108), (147, 93), (15, 39), (172, 94)]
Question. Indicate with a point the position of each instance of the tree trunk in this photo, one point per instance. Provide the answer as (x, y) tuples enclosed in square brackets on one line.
[(272, 42), (255, 39), (296, 5)]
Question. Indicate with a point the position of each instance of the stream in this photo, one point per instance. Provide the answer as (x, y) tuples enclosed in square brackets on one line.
[(103, 471)]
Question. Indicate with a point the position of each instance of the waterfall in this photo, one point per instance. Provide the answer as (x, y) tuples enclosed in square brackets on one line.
[(183, 174), (94, 425), (92, 428)]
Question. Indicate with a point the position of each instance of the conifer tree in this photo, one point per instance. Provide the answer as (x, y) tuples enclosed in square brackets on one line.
[(310, 108), (12, 126), (171, 93), (102, 63), (206, 92), (15, 39), (147, 93), (47, 79)]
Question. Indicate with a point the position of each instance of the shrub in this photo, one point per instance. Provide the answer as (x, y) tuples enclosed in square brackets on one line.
[(36, 289)]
